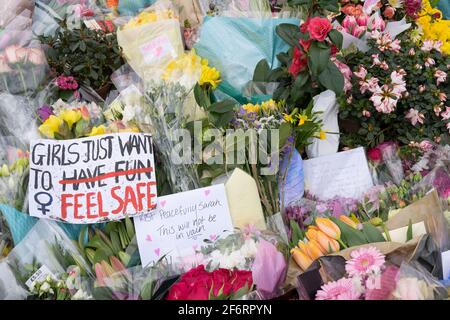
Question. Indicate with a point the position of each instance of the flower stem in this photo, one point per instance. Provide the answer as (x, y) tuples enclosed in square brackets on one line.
[(386, 232), (5, 82), (22, 79), (342, 243)]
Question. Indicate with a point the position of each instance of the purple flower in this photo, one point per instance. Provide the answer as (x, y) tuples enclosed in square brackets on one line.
[(45, 112), (67, 83)]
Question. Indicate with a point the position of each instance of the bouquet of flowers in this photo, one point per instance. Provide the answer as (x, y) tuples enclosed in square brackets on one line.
[(48, 266)]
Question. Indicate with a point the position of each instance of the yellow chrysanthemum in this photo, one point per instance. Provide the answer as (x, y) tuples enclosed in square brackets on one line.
[(50, 126), (97, 131), (209, 76), (269, 105), (70, 116), (433, 27), (251, 108)]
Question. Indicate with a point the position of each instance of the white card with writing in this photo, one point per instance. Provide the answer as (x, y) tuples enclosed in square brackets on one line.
[(181, 222), (93, 179), (446, 264), (157, 49), (39, 276), (344, 174)]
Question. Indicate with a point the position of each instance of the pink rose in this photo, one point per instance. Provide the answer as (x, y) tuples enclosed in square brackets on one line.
[(36, 56), (375, 155), (319, 28), (389, 12), (15, 54)]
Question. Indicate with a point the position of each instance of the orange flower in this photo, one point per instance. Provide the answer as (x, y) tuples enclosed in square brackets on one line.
[(302, 246), (327, 244), (112, 3), (329, 228), (302, 260), (311, 234), (314, 250), (348, 221)]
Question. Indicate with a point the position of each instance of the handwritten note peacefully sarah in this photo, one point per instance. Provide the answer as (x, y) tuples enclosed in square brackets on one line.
[(181, 222), (344, 174)]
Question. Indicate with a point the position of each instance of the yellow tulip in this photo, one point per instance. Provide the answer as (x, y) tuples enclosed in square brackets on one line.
[(314, 249), (50, 126), (329, 228), (348, 221), (302, 260), (97, 131), (302, 246), (70, 116), (327, 244)]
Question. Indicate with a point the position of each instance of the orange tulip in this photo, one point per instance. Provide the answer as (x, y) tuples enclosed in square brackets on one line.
[(311, 234), (302, 247), (327, 244), (302, 260), (329, 228), (348, 221), (314, 249)]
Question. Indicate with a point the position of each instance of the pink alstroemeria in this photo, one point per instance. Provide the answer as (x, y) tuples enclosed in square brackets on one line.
[(415, 116), (446, 114)]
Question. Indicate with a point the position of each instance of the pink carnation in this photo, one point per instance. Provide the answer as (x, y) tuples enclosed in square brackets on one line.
[(343, 289)]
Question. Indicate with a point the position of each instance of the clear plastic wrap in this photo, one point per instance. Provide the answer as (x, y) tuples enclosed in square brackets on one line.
[(48, 266), (151, 40), (11, 9), (416, 283), (257, 40)]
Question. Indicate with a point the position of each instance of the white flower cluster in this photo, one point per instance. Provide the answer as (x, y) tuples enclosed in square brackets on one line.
[(237, 257)]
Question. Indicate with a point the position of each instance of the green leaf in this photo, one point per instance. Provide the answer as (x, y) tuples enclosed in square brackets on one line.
[(201, 97), (290, 33), (318, 58), (329, 5), (409, 233), (101, 255), (297, 90), (262, 71), (130, 227), (336, 37), (224, 106), (297, 233), (285, 132), (372, 234), (331, 78), (349, 235), (115, 242)]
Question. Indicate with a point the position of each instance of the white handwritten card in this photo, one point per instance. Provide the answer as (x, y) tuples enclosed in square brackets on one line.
[(181, 222), (344, 174), (93, 179)]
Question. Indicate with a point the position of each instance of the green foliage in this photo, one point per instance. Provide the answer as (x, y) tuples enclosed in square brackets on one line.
[(90, 56), (380, 127)]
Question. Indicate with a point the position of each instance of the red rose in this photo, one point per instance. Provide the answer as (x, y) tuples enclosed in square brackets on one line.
[(199, 292), (299, 62), (179, 291), (305, 44), (375, 155), (319, 27), (334, 50), (304, 26), (221, 281), (242, 278)]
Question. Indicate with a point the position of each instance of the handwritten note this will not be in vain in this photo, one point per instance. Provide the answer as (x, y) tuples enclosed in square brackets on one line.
[(181, 222)]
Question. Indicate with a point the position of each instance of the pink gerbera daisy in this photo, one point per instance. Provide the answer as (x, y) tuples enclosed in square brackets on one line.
[(343, 289), (364, 261)]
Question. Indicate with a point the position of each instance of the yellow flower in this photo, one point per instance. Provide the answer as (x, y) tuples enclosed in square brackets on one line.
[(302, 119), (97, 131), (50, 126), (322, 135), (70, 116), (150, 17), (288, 118), (249, 108), (209, 76), (269, 105), (186, 69)]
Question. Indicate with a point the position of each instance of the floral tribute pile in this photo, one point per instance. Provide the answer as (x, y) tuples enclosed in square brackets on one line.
[(312, 82)]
